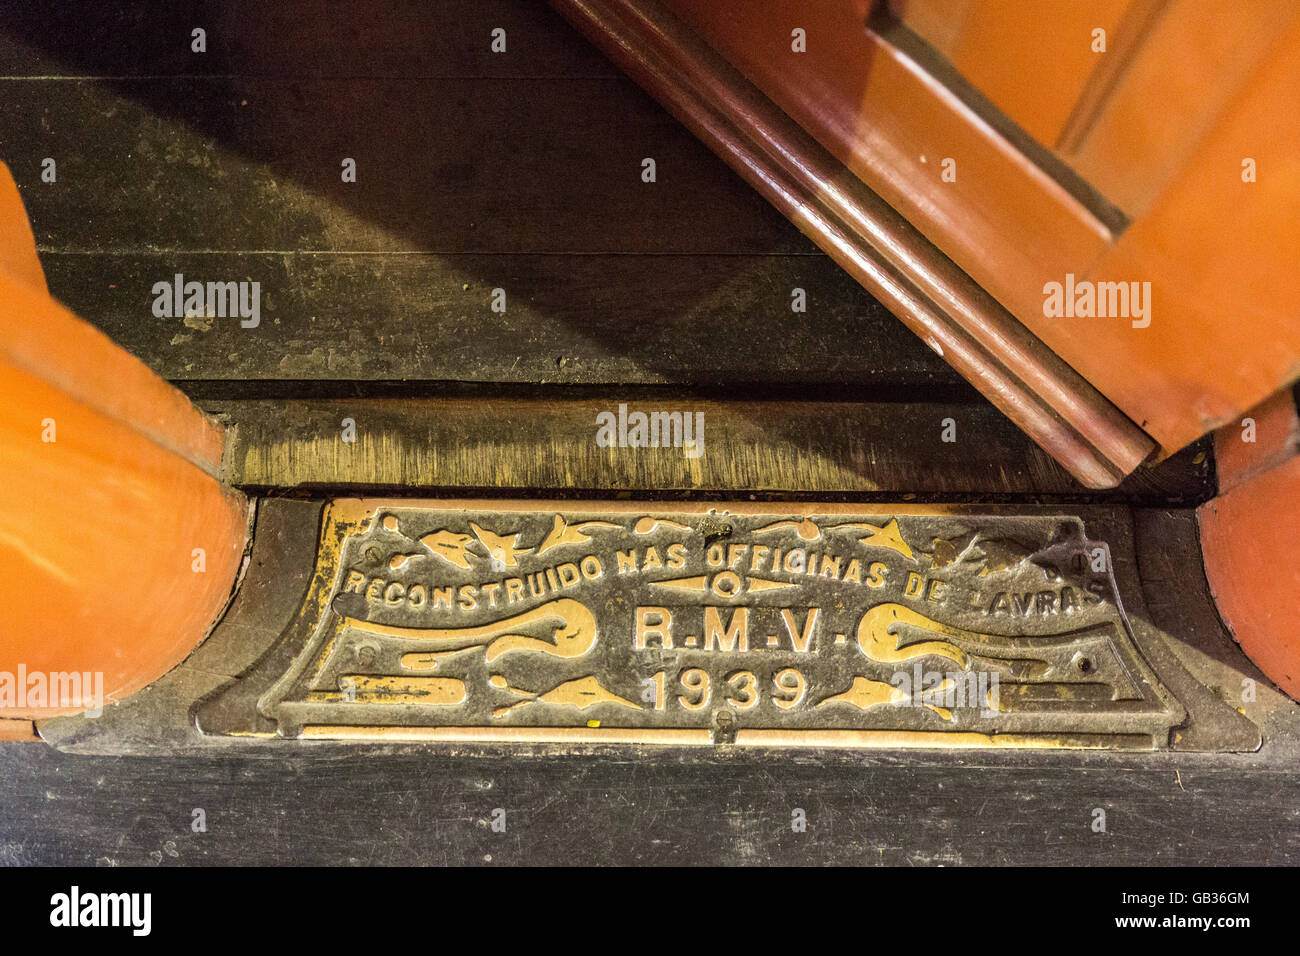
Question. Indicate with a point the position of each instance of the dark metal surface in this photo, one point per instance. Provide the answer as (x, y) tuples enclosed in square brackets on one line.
[(675, 624), (328, 802), (518, 624)]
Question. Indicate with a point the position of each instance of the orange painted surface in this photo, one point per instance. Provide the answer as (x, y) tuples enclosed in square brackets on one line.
[(51, 343), (98, 530), (938, 22), (1194, 93), (17, 730), (1221, 256), (1192, 65), (1165, 58), (1034, 58), (17, 243), (1276, 435), (106, 503), (1247, 537)]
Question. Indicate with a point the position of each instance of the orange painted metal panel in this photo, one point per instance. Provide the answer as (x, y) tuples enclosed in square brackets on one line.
[(1034, 58), (118, 546), (18, 256), (1003, 221), (1248, 448), (17, 730), (98, 535), (1247, 536), (1221, 256), (938, 22), (1181, 79)]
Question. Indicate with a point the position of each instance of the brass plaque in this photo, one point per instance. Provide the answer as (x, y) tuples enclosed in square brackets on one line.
[(684, 624)]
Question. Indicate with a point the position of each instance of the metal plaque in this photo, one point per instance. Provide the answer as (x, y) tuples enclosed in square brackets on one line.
[(696, 625)]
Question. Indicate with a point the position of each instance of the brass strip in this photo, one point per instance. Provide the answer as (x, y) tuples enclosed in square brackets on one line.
[(511, 735), (507, 444), (920, 739), (849, 739)]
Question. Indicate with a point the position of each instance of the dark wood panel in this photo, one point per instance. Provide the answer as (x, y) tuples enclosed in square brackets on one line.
[(302, 38), (447, 165), (691, 320), (334, 805)]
